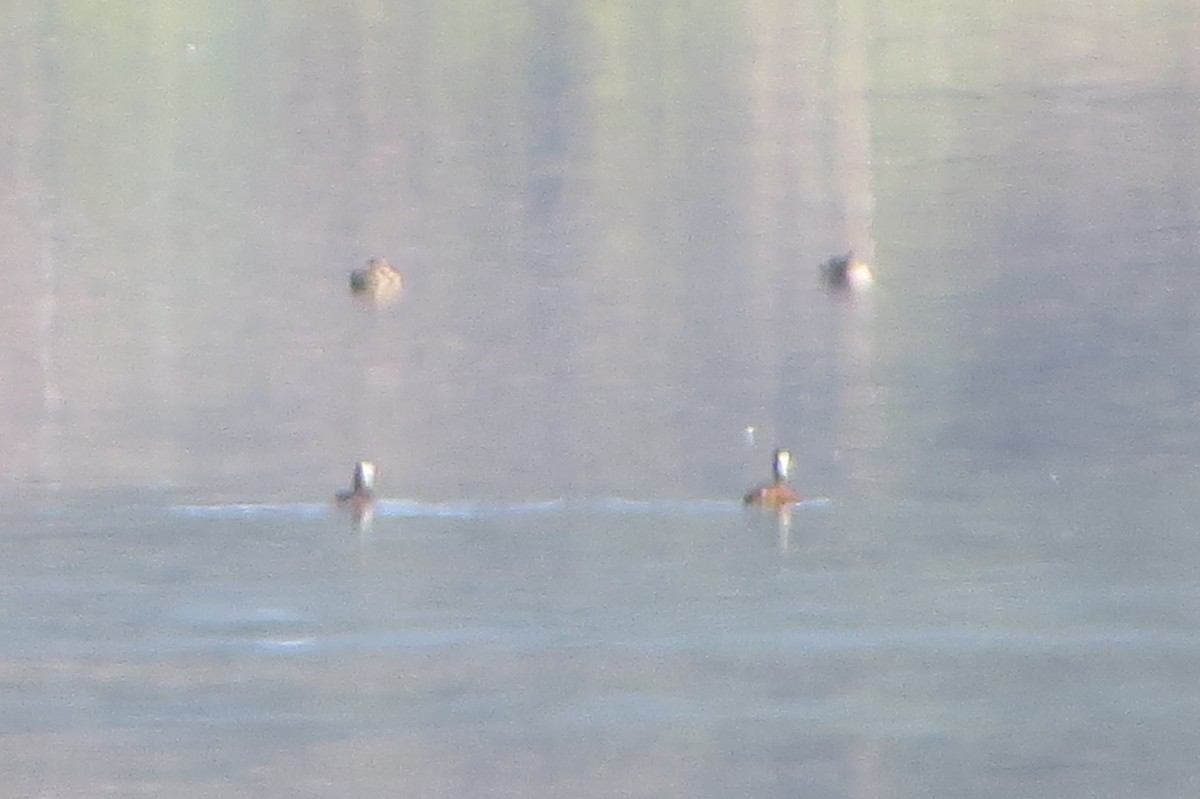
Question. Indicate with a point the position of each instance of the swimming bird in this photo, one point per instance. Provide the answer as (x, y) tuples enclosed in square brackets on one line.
[(846, 272), (777, 494), (360, 498), (378, 281)]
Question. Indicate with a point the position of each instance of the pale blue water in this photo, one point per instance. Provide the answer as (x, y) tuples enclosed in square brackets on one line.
[(226, 639), (609, 220)]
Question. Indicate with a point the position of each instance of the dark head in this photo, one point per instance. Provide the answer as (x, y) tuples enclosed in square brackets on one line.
[(359, 499), (364, 478), (834, 270)]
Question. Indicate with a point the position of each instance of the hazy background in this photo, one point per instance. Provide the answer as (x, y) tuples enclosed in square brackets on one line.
[(609, 218)]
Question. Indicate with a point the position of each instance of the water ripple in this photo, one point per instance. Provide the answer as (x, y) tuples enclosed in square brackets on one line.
[(481, 510)]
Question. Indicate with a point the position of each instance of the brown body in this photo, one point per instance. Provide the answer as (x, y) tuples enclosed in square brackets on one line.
[(378, 282), (777, 494), (356, 501)]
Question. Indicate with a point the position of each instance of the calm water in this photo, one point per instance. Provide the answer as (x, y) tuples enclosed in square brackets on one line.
[(608, 217)]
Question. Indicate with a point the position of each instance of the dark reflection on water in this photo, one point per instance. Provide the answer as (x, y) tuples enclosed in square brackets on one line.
[(609, 220)]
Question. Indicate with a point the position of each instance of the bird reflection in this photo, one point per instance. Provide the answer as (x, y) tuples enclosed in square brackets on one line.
[(783, 522)]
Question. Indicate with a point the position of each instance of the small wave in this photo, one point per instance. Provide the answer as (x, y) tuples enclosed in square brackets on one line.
[(701, 507), (481, 510), (465, 510), (285, 645), (230, 511)]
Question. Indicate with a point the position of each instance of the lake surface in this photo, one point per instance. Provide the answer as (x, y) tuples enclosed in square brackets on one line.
[(609, 219)]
